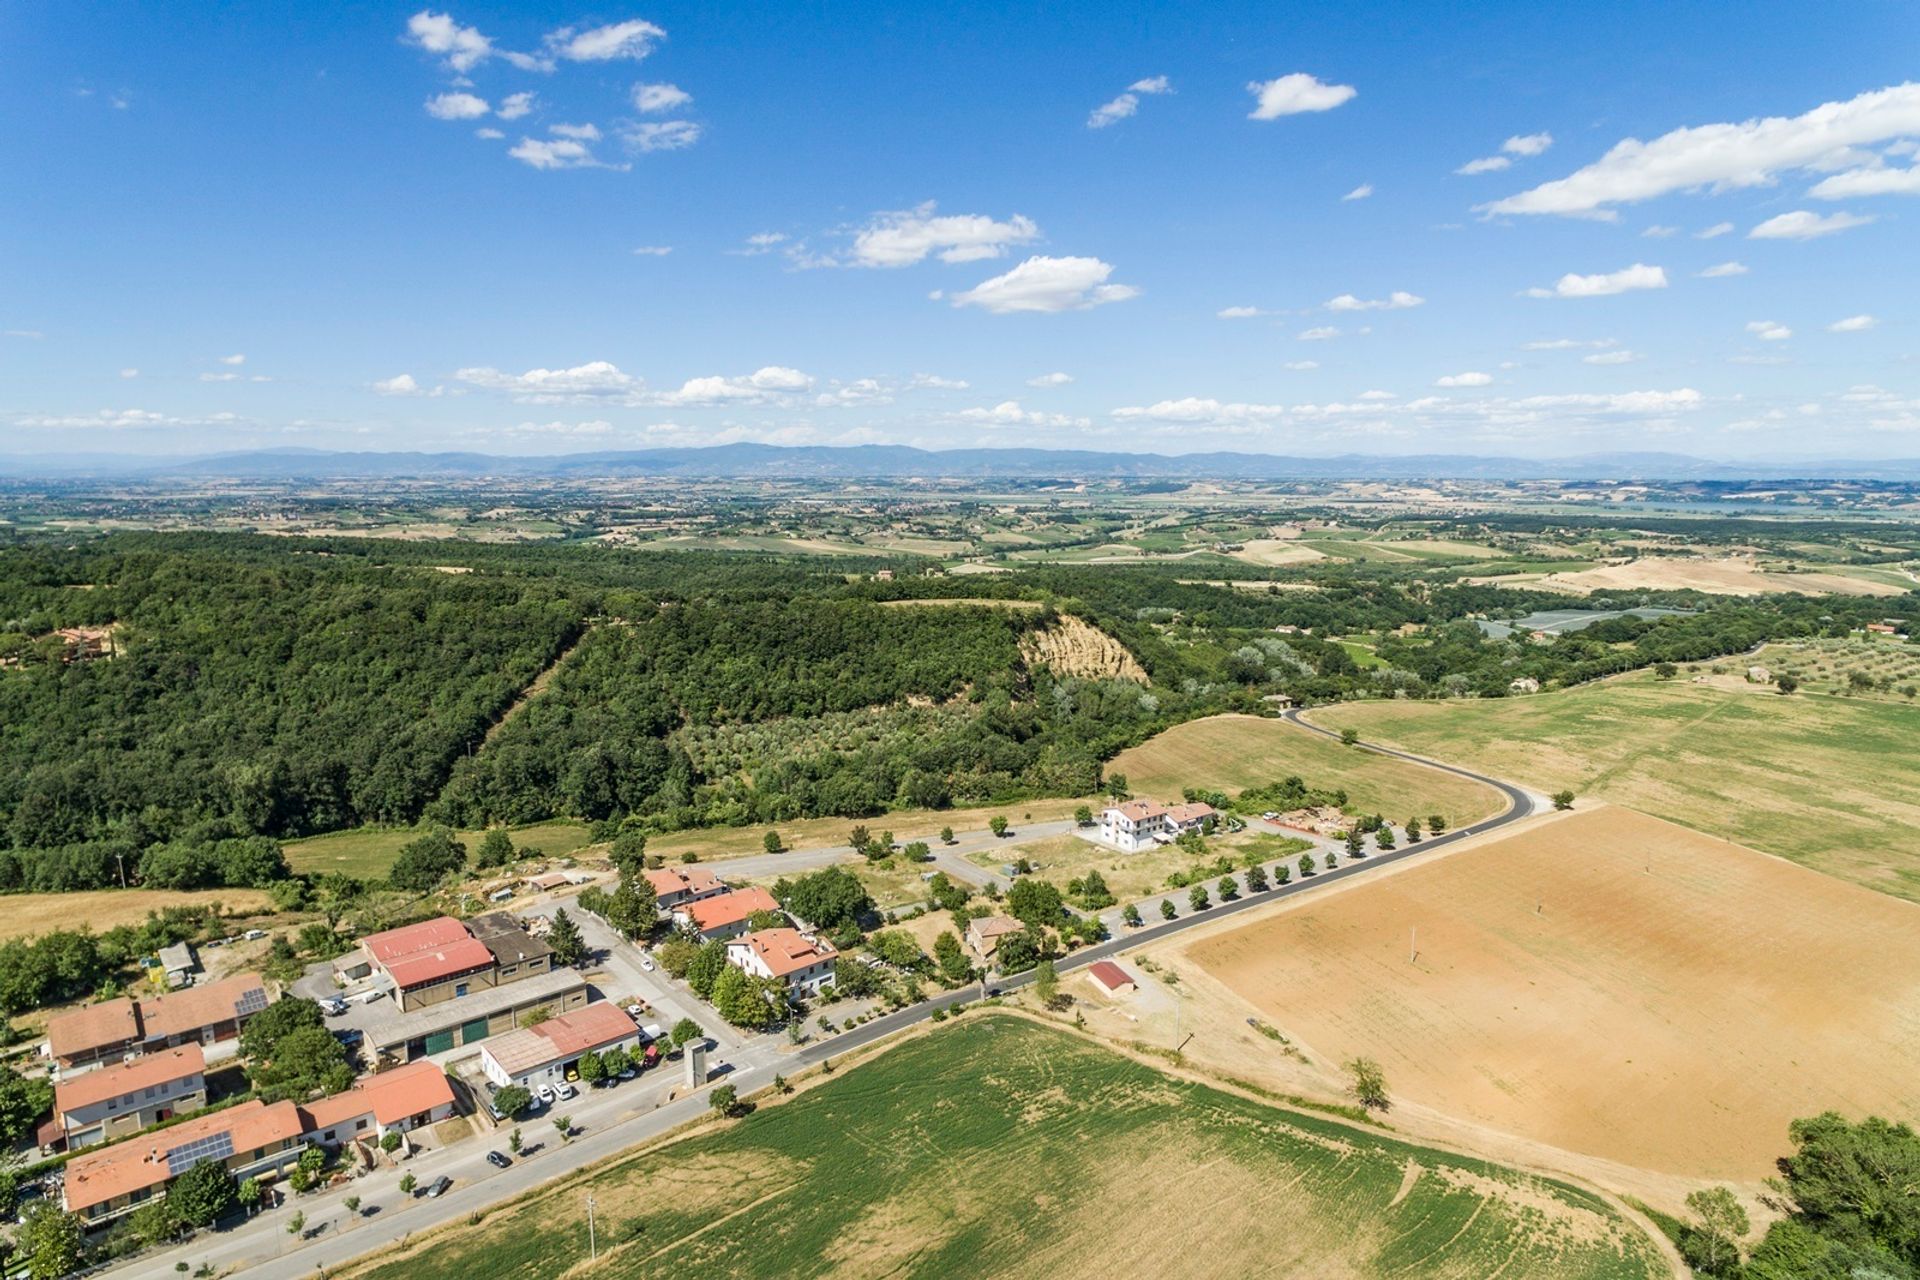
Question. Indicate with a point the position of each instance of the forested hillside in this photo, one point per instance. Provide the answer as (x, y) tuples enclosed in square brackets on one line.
[(264, 687)]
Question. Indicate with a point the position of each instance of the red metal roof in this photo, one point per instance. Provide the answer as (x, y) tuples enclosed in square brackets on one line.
[(428, 935), (424, 968), (1110, 975)]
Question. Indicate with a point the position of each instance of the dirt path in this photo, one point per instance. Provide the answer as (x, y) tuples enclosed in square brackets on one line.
[(535, 688)]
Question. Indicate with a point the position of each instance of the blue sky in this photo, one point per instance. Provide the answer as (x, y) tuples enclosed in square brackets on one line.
[(549, 228)]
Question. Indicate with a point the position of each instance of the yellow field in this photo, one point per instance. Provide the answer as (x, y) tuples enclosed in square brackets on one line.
[(1830, 782), (1233, 752), (24, 914), (1733, 575), (1673, 1019)]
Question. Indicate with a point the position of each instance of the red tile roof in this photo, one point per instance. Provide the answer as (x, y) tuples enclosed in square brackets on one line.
[(95, 1026), (90, 1087), (96, 1177), (428, 935), (1140, 810), (1184, 813), (786, 951), (196, 1007), (729, 908), (391, 1096), (671, 880)]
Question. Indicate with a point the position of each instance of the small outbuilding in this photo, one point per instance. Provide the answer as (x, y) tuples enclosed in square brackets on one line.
[(1112, 979)]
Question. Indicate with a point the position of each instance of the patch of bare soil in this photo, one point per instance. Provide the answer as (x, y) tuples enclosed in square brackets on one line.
[(1074, 647)]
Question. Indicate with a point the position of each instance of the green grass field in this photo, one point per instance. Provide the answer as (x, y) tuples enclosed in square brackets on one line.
[(998, 1148), (1833, 783), (1234, 752), (370, 851)]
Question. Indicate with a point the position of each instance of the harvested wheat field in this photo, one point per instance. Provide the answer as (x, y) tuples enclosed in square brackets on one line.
[(1074, 647), (25, 914), (1730, 576), (1674, 1021), (1234, 752)]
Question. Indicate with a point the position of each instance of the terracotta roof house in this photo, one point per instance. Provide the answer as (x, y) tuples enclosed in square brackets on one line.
[(802, 961), (545, 1052), (1134, 825), (251, 1139), (676, 886), (724, 915), (984, 934), (1191, 817), (445, 959), (94, 1106), (399, 1100), (114, 1028), (1111, 978)]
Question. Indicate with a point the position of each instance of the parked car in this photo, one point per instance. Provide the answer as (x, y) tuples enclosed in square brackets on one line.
[(545, 1094), (349, 1036), (628, 1073), (498, 1159), (333, 1008), (438, 1187), (646, 963), (636, 1012), (568, 1091)]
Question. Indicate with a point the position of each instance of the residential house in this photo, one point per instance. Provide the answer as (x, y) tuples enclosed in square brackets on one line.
[(724, 915), (984, 933), (1141, 824), (677, 886), (92, 1107), (113, 1029), (252, 1139), (801, 960), (547, 1051), (396, 1101)]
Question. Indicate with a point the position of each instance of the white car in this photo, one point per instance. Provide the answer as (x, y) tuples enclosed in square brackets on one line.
[(646, 963), (568, 1091), (634, 1011), (546, 1094)]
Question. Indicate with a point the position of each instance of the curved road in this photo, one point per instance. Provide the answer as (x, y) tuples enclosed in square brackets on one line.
[(308, 1258)]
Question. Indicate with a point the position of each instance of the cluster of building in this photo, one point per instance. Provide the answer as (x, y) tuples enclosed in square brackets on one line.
[(703, 905), (453, 982), (1143, 824), (253, 1139), (117, 1031)]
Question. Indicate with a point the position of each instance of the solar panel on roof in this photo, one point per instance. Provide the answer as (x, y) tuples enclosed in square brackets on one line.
[(217, 1146), (251, 1003)]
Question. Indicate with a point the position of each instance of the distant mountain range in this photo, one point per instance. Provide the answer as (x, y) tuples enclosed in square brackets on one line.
[(819, 462)]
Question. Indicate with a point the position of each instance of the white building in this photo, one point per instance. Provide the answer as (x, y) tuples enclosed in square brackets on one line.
[(545, 1052), (802, 961), (1142, 824)]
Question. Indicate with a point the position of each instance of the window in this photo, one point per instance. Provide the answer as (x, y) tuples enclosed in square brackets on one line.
[(359, 1124), (459, 989)]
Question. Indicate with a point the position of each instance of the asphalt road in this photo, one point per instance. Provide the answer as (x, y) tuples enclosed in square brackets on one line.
[(612, 1123)]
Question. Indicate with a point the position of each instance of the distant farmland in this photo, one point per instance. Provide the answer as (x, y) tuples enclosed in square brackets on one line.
[(999, 1148)]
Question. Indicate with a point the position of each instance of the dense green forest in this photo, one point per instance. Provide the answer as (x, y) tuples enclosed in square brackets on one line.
[(267, 687)]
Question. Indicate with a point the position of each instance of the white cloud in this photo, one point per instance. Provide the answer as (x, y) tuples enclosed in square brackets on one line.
[(1803, 225), (1527, 144), (463, 47), (1473, 379), (633, 39), (593, 380), (1398, 300), (457, 106), (578, 132), (1296, 93), (1377, 395), (653, 250), (554, 153), (1485, 164), (1050, 380), (1239, 313), (1768, 331), (1611, 357), (1047, 284), (1872, 181), (763, 385), (1301, 366), (515, 105), (1200, 409), (1723, 156), (401, 384), (1658, 232), (1319, 333), (1714, 232), (659, 97), (1360, 192), (1008, 413), (934, 382), (665, 135), (491, 135), (125, 420), (1127, 103), (1853, 324), (900, 239), (861, 391), (1568, 344), (1720, 270), (129, 373), (1637, 276), (220, 377), (760, 242), (33, 335), (235, 359)]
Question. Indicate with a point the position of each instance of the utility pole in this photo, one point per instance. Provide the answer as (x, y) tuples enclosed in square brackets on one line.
[(1413, 945), (593, 1249)]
